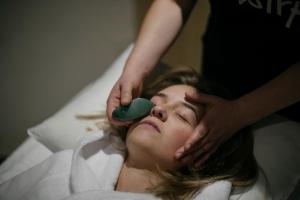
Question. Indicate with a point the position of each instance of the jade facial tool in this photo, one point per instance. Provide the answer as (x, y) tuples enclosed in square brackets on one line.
[(138, 108)]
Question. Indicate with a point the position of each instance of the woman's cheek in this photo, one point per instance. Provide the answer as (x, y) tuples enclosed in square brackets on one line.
[(180, 136)]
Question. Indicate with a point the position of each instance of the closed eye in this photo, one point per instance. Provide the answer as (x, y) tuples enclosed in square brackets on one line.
[(182, 118)]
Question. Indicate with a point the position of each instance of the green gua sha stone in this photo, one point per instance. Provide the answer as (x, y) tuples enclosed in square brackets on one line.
[(138, 108)]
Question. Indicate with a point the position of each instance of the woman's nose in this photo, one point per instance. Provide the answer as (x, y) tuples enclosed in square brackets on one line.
[(159, 112)]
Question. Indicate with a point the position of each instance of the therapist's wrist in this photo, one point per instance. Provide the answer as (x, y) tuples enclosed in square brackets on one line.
[(248, 113), (138, 69), (242, 109)]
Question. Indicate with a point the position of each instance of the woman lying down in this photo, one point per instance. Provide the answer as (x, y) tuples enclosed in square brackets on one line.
[(138, 162)]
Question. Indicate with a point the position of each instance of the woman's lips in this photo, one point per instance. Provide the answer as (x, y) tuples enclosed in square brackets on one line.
[(151, 123)]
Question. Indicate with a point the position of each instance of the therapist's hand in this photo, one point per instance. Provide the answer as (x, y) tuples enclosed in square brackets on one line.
[(220, 122), (128, 87)]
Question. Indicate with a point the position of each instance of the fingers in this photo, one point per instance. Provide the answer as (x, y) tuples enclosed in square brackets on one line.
[(203, 150), (122, 93), (197, 148), (187, 160), (126, 94), (113, 100), (201, 159), (199, 133), (200, 155)]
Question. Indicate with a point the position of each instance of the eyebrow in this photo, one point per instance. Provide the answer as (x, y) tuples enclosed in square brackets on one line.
[(185, 104)]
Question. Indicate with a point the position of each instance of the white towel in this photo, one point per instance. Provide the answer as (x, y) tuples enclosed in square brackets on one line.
[(90, 171), (219, 190)]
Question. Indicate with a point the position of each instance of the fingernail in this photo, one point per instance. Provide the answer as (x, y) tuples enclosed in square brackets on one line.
[(178, 154), (187, 147), (187, 159)]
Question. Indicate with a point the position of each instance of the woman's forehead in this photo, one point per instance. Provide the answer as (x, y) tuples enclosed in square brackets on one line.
[(176, 93), (178, 90)]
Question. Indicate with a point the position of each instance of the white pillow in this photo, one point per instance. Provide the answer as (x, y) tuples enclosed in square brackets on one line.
[(277, 150), (62, 130)]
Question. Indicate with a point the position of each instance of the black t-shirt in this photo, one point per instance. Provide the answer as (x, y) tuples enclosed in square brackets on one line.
[(249, 42)]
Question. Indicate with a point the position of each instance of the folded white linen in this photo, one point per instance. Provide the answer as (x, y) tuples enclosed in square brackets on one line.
[(216, 191), (27, 155), (90, 171), (219, 190)]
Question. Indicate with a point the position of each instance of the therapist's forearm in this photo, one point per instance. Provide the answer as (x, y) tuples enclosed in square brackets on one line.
[(279, 93), (160, 27)]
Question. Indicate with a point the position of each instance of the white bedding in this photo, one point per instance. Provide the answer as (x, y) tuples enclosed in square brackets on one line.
[(27, 155), (90, 171)]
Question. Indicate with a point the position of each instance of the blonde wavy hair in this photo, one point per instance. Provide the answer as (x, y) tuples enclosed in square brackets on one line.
[(233, 160)]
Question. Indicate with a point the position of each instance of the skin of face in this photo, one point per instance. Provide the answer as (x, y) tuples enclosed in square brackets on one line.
[(154, 139)]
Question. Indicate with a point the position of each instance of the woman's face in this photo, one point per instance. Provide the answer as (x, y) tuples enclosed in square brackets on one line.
[(155, 138)]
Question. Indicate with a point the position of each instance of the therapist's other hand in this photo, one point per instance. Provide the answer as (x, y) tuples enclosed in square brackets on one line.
[(128, 87), (219, 123)]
